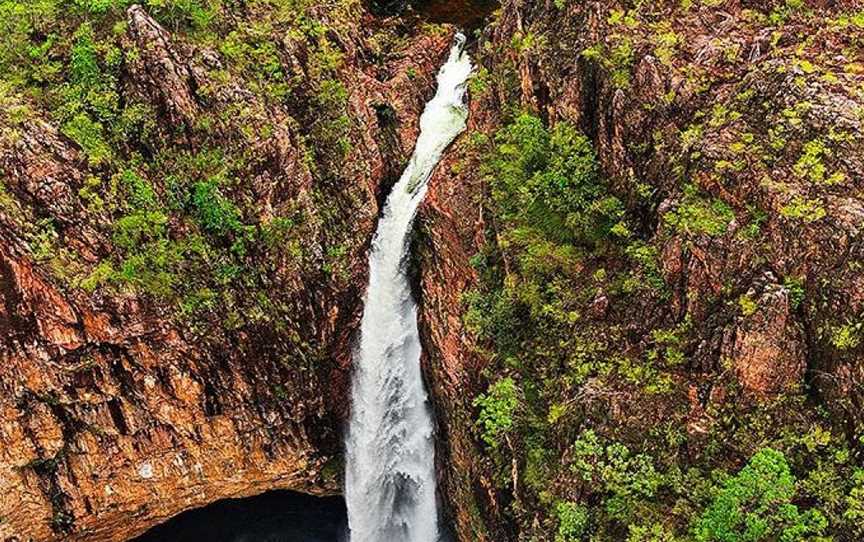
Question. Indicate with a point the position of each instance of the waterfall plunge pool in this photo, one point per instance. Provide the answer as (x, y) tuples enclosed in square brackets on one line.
[(276, 516)]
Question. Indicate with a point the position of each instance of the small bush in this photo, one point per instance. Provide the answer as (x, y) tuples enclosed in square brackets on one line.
[(89, 135), (625, 479), (497, 407), (795, 288), (804, 209), (846, 337), (572, 521), (216, 213), (854, 513), (698, 215), (133, 230), (747, 305)]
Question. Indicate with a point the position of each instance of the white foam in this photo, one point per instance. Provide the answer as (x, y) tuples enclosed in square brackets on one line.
[(390, 454)]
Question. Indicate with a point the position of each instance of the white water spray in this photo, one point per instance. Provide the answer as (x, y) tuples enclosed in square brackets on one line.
[(390, 454)]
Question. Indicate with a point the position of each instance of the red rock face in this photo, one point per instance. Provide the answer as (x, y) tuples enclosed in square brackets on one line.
[(448, 360), (767, 348), (160, 71), (451, 230)]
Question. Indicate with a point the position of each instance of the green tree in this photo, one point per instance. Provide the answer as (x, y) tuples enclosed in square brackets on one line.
[(756, 505), (497, 406), (547, 182), (610, 468)]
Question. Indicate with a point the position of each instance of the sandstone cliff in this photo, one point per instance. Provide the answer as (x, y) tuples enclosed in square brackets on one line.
[(187, 196)]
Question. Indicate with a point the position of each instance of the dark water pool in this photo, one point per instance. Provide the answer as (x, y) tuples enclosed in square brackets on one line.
[(277, 516)]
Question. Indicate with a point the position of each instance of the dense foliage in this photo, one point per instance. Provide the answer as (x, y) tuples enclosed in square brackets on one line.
[(756, 504), (562, 245)]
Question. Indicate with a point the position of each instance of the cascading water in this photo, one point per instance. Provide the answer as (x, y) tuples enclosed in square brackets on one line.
[(390, 470)]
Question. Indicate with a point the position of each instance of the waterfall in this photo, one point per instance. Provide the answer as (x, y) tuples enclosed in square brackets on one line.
[(390, 454)]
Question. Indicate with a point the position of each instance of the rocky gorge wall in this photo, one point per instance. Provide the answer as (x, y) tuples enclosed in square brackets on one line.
[(188, 198), (739, 266), (149, 369)]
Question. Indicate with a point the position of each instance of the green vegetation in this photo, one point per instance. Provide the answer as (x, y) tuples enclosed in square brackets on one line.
[(89, 135), (216, 213), (854, 513), (810, 165), (545, 185), (786, 10), (748, 305), (561, 247), (795, 287), (623, 478), (847, 336), (804, 209), (551, 207), (183, 224), (572, 521), (555, 219), (756, 505), (496, 411), (618, 60), (666, 41), (698, 215)]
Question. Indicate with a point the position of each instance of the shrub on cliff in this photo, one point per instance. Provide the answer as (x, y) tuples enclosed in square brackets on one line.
[(756, 505), (612, 470), (551, 207), (546, 183), (572, 521), (497, 406)]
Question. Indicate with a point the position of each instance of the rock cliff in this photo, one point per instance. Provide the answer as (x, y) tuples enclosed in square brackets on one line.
[(724, 307), (639, 270), (162, 348)]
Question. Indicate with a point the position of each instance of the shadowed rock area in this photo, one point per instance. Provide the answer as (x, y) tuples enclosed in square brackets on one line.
[(277, 516), (466, 14)]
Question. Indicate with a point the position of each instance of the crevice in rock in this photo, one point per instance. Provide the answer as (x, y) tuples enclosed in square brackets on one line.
[(390, 146)]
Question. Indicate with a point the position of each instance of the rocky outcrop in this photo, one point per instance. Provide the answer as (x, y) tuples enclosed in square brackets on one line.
[(159, 70), (766, 348)]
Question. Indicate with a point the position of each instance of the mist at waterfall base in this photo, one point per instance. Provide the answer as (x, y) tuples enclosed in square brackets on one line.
[(390, 452), (276, 516)]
